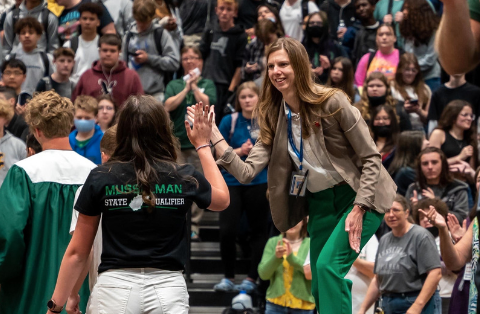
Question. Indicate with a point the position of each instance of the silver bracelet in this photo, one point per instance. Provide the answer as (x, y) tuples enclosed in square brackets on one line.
[(202, 146)]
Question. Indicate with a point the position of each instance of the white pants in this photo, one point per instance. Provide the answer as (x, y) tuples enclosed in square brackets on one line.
[(139, 290)]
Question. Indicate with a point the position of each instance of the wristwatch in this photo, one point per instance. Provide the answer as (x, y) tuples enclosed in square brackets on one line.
[(362, 207), (53, 307)]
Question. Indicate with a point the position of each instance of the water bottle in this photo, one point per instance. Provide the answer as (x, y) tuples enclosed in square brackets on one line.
[(242, 301)]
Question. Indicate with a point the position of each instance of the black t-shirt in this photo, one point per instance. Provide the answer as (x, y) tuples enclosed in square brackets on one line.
[(69, 21), (443, 95), (247, 12), (133, 237)]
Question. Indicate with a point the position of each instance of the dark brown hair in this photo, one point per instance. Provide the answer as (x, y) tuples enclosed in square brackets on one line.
[(145, 139), (449, 117), (304, 230), (91, 7), (110, 39), (346, 84), (418, 84), (264, 28), (409, 145), (108, 97), (440, 206), (29, 22), (445, 175), (62, 51), (420, 23), (391, 141), (278, 21)]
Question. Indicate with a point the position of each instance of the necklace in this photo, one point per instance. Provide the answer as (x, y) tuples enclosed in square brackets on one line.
[(459, 142), (296, 241)]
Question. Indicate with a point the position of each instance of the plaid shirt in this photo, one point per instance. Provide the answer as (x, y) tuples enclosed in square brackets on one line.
[(254, 52)]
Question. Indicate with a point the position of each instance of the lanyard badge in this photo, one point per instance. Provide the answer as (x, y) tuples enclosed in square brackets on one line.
[(298, 183)]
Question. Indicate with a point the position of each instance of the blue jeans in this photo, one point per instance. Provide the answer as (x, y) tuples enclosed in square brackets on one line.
[(400, 305), (278, 309)]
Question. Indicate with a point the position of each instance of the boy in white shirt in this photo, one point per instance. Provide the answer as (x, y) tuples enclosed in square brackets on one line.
[(85, 45)]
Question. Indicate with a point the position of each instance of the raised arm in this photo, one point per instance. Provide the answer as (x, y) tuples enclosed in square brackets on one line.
[(458, 38)]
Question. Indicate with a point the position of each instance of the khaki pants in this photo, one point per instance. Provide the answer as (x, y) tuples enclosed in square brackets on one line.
[(190, 156)]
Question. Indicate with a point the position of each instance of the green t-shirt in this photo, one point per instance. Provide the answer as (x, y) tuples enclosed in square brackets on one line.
[(177, 116), (474, 6), (82, 144)]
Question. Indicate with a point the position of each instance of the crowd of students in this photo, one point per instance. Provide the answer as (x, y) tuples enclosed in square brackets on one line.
[(380, 53)]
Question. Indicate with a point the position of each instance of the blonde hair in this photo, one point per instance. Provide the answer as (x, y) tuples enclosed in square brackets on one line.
[(6, 110), (311, 95), (86, 103), (50, 113), (247, 85), (364, 105), (144, 10)]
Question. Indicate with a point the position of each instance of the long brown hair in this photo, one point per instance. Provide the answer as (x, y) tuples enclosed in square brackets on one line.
[(247, 85), (145, 138), (364, 104), (418, 83), (311, 97), (449, 117), (346, 84), (421, 22), (409, 145), (445, 175)]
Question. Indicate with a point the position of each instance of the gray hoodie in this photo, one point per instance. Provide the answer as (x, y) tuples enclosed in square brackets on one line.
[(12, 43), (151, 72), (12, 149), (35, 68), (121, 12)]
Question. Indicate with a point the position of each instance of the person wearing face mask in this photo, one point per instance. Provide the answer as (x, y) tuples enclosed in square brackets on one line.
[(321, 49), (377, 92), (385, 131), (85, 139), (446, 284)]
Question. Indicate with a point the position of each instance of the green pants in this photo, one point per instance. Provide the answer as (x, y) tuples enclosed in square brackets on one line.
[(330, 254)]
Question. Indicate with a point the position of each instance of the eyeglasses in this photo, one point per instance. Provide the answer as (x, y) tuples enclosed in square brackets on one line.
[(385, 119), (315, 24), (10, 73), (190, 59), (413, 71), (467, 115)]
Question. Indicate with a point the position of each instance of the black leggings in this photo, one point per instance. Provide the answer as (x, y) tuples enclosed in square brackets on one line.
[(253, 201)]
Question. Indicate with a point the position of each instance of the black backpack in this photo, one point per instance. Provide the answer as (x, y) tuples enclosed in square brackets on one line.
[(45, 13), (46, 62), (157, 34)]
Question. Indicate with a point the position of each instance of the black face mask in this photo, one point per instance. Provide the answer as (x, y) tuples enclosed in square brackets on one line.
[(434, 231), (316, 31), (382, 130), (376, 101)]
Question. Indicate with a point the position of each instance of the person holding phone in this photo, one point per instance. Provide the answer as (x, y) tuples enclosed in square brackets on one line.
[(410, 88), (305, 126)]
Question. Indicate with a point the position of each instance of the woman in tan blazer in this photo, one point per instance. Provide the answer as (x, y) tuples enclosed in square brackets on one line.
[(313, 131)]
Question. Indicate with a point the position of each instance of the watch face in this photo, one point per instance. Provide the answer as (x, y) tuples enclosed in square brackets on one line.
[(50, 304)]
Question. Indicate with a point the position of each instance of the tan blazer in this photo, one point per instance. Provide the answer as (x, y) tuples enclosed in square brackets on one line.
[(350, 149)]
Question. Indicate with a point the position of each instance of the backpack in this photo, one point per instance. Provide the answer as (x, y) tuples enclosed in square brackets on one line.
[(74, 44), (157, 34), (44, 22), (46, 62), (234, 116), (48, 84)]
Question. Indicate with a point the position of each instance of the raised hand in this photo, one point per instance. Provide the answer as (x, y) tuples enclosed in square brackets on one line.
[(457, 232), (434, 218), (203, 119)]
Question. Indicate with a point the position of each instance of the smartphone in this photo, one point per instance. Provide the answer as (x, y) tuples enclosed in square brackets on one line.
[(23, 98), (135, 54), (414, 102)]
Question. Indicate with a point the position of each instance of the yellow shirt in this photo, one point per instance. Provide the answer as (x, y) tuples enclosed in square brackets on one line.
[(288, 299)]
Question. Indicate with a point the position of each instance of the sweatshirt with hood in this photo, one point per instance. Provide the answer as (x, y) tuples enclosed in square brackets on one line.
[(455, 195), (223, 53), (12, 149), (91, 151), (337, 13), (11, 40), (120, 82), (35, 68), (151, 72)]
